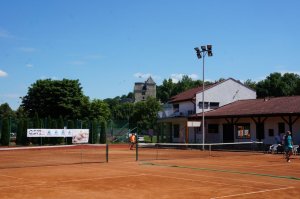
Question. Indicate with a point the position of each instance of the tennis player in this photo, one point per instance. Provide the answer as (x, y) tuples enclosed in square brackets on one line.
[(132, 140), (288, 145)]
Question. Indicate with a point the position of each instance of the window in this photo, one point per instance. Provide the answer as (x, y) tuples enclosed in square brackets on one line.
[(271, 132), (214, 105), (213, 128), (205, 105), (243, 131), (176, 107), (176, 130), (281, 128)]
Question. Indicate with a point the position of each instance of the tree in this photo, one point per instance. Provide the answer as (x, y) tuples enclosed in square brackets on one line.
[(165, 91), (5, 132), (55, 97), (145, 114), (20, 131), (5, 110), (277, 85), (250, 84), (94, 130), (102, 131), (99, 109)]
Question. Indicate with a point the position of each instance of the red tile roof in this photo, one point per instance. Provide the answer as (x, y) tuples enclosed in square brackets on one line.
[(190, 94), (186, 95), (252, 107)]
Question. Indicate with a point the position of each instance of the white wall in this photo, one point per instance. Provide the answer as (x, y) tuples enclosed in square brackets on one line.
[(225, 93)]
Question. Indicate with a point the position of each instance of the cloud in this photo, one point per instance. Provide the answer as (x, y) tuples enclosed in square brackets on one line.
[(27, 49), (5, 34), (3, 73), (177, 77), (29, 65)]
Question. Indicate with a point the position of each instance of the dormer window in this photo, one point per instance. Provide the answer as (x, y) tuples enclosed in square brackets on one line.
[(214, 105), (205, 105)]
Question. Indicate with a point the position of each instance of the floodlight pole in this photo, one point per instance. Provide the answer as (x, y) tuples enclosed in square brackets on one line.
[(205, 50), (203, 87)]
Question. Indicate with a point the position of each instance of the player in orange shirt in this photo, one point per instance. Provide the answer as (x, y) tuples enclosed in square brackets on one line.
[(132, 140)]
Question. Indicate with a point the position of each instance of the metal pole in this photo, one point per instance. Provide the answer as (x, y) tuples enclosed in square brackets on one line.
[(9, 131), (106, 152), (203, 127)]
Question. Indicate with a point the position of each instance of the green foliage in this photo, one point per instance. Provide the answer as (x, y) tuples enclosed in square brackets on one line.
[(102, 131), (5, 132), (145, 114), (55, 97), (24, 132), (276, 85), (99, 109), (20, 131), (250, 84), (94, 131), (6, 111)]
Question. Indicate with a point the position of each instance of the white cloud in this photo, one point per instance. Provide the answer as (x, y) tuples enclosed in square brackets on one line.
[(29, 65), (177, 77), (3, 73), (5, 34), (27, 49)]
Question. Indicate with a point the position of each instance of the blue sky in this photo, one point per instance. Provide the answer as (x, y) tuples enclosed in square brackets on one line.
[(110, 44)]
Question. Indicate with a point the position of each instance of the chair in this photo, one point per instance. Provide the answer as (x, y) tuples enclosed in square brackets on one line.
[(295, 149), (273, 148)]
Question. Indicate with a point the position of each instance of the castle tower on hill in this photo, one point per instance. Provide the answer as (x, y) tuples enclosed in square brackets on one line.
[(143, 90)]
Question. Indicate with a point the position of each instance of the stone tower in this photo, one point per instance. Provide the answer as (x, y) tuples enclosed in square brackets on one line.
[(143, 90)]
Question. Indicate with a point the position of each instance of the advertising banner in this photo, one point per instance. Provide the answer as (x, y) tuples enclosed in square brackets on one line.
[(78, 135)]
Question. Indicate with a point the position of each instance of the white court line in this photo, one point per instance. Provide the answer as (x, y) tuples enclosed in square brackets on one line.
[(253, 192)]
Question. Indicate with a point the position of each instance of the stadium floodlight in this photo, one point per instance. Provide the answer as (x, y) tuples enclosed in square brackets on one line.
[(205, 50), (198, 52), (209, 50)]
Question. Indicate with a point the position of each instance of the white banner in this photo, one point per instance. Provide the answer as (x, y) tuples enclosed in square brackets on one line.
[(193, 124), (78, 135)]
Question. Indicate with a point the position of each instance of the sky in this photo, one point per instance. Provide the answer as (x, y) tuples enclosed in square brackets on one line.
[(108, 45)]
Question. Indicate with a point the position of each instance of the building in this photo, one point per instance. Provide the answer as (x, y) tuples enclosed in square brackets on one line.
[(143, 90), (254, 119), (174, 118), (232, 114)]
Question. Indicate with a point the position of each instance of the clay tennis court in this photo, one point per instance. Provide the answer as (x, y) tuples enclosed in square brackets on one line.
[(223, 175)]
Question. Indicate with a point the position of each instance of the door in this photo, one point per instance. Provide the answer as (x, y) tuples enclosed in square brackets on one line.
[(228, 133), (260, 131)]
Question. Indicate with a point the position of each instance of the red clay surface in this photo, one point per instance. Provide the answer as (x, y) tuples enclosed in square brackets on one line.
[(221, 176)]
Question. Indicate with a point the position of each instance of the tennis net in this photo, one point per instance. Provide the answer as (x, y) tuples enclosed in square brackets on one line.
[(15, 157), (161, 151)]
